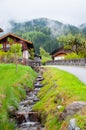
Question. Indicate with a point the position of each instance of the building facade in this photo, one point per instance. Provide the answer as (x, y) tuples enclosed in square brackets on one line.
[(25, 44)]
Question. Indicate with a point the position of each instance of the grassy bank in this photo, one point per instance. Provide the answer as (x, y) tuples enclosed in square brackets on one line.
[(12, 86), (60, 89)]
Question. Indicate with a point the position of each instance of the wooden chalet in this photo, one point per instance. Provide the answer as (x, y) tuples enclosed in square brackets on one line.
[(25, 44), (60, 53)]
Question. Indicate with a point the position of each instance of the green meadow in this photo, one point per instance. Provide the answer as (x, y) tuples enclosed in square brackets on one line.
[(12, 90), (60, 89)]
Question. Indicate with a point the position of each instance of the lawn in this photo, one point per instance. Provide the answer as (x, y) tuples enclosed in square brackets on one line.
[(12, 86), (60, 89)]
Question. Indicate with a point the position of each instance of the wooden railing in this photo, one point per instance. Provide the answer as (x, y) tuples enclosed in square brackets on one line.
[(78, 62)]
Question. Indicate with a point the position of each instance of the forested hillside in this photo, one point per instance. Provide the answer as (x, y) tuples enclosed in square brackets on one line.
[(44, 32)]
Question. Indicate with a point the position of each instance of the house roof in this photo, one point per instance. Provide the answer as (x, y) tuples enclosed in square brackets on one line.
[(60, 51), (13, 35), (57, 50), (1, 30)]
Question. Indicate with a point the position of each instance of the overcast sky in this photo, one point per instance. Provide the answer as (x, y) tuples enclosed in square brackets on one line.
[(66, 11)]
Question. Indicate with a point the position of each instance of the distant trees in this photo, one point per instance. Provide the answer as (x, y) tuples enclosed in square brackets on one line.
[(77, 43), (43, 32), (44, 55), (41, 37), (72, 55)]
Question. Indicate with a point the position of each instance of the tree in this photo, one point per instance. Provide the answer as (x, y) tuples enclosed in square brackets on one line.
[(31, 52), (15, 49), (76, 43), (3, 54), (44, 55), (41, 37), (72, 56)]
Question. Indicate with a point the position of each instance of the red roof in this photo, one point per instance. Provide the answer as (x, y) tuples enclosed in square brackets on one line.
[(13, 35)]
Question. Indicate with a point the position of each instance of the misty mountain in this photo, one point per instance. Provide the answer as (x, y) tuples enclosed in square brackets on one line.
[(83, 28), (44, 32)]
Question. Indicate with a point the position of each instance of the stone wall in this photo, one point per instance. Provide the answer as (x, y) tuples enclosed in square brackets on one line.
[(78, 62)]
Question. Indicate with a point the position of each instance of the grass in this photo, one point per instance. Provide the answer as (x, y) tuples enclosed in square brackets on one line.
[(60, 89), (12, 86)]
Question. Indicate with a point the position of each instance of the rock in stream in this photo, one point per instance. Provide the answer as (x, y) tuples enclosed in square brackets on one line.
[(26, 118)]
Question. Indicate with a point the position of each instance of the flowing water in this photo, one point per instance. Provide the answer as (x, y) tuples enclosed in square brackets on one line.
[(26, 118)]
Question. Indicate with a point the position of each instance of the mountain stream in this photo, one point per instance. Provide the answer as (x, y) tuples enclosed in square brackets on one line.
[(26, 118)]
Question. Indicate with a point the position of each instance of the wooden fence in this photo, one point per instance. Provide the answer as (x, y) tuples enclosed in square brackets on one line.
[(78, 62)]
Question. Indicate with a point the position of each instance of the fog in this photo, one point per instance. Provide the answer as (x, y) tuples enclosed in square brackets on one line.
[(66, 11)]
